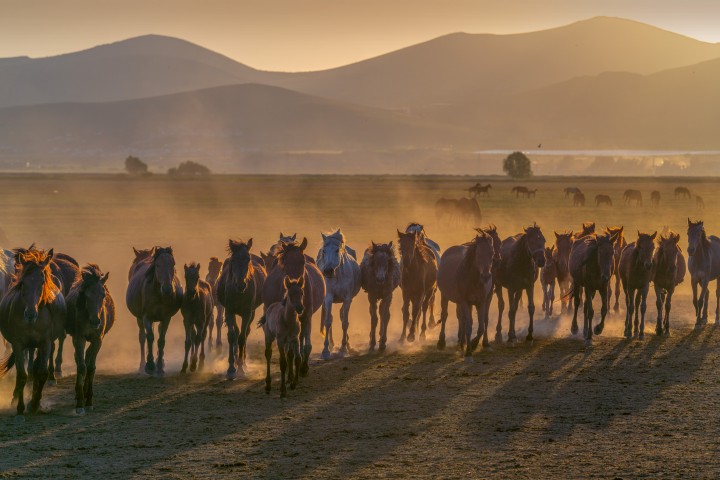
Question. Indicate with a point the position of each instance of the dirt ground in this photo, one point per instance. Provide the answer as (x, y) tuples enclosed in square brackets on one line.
[(638, 409)]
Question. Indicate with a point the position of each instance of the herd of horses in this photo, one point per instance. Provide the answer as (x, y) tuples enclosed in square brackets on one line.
[(631, 197)]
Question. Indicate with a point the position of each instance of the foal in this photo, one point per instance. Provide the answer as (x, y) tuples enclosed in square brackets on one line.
[(548, 275), (197, 312), (636, 272)]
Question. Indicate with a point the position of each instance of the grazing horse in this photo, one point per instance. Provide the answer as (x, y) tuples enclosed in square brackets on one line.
[(548, 276), (418, 281), (618, 246), (480, 190), (633, 196), (636, 271), (380, 276), (591, 266), (197, 312), (519, 190), (90, 316), (520, 258), (281, 324), (32, 315), (603, 200), (240, 288), (531, 193), (154, 295), (699, 202), (579, 199), (669, 273), (655, 199), (571, 191), (704, 267), (682, 192), (291, 261), (465, 278), (214, 269), (341, 270)]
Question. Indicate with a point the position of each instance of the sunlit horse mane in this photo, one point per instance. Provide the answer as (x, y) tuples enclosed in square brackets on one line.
[(89, 274), (423, 249), (157, 251), (33, 259), (284, 250)]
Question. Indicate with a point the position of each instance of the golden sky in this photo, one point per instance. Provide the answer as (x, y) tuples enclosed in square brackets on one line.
[(294, 35)]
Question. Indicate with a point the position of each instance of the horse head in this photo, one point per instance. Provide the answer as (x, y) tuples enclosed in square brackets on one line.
[(294, 294), (535, 242), (164, 269), (240, 261), (92, 293), (696, 236), (35, 281)]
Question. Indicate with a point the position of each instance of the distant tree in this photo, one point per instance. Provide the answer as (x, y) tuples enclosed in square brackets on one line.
[(189, 168), (135, 166), (517, 165)]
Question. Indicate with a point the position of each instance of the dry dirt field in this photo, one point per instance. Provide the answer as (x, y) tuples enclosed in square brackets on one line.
[(638, 409)]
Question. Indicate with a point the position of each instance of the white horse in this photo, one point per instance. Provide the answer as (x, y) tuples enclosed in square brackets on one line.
[(341, 271)]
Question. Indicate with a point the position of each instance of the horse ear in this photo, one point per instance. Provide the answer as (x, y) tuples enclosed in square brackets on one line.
[(638, 233), (400, 234), (281, 235), (689, 222), (294, 236), (390, 245), (653, 235), (49, 257), (135, 251), (249, 244), (303, 245), (104, 278), (557, 237), (621, 228), (373, 245), (324, 237), (286, 281)]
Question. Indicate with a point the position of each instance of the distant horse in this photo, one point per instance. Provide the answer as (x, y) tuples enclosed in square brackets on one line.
[(32, 315), (636, 272), (154, 295), (520, 258), (281, 324), (619, 245), (461, 210), (291, 261), (548, 276), (655, 199), (579, 200), (531, 193), (380, 274), (480, 190), (571, 191), (704, 267), (519, 190), (90, 316), (341, 270), (417, 281), (633, 196), (214, 269), (603, 200), (197, 311), (561, 259), (682, 192), (591, 266), (465, 278), (240, 289), (669, 273), (699, 202)]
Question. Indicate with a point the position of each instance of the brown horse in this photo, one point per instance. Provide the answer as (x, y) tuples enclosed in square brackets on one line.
[(291, 261), (214, 269), (461, 210), (154, 295), (418, 281), (636, 272), (682, 192), (32, 315), (548, 276), (561, 259), (588, 228), (240, 291), (603, 200), (579, 200), (704, 267), (531, 193), (519, 190), (380, 276), (571, 191), (90, 316), (197, 312), (480, 190), (465, 278), (633, 196), (655, 199), (520, 258), (699, 202), (142, 257), (491, 230), (618, 246), (669, 273)]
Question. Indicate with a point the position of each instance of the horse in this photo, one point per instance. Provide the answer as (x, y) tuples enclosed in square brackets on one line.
[(32, 315), (531, 193), (518, 190), (7, 270), (464, 209), (618, 246), (491, 230), (682, 192), (418, 281), (548, 276), (579, 199), (591, 266), (571, 191), (699, 202), (655, 199), (480, 190), (142, 257), (633, 195), (417, 227), (341, 270), (465, 278), (588, 228), (214, 269), (603, 200), (669, 273), (380, 276), (90, 316), (520, 257), (197, 312), (269, 259), (291, 261), (704, 267), (240, 291), (636, 272), (281, 324), (561, 259), (154, 295), (282, 239)]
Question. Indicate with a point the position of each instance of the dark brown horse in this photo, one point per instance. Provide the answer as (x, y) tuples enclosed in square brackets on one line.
[(32, 315), (214, 269), (588, 228), (579, 200), (704, 267), (90, 316), (154, 295), (682, 192), (603, 200), (571, 191), (480, 190), (142, 256), (655, 199), (633, 196), (240, 291), (497, 244), (636, 272), (548, 276), (618, 246), (380, 276), (292, 262), (669, 273), (197, 312), (520, 190), (520, 258), (561, 259), (465, 278), (418, 281)]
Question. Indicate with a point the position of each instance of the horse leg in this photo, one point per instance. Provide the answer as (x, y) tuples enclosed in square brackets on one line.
[(443, 319), (373, 321), (327, 322), (659, 305), (81, 369), (51, 366), (696, 301), (150, 335), (162, 331), (345, 320), (705, 296), (576, 303), (90, 362), (514, 301), (194, 337), (629, 307), (414, 320), (431, 310), (211, 325), (424, 309), (638, 300), (218, 324), (546, 294), (40, 370), (501, 308), (717, 303), (306, 333), (604, 308), (616, 307), (590, 313), (283, 368), (201, 345), (20, 378), (232, 338), (406, 315), (531, 312), (466, 323), (141, 339), (246, 319), (552, 297), (643, 308), (482, 327), (57, 371), (384, 320), (268, 356), (188, 343), (668, 304)]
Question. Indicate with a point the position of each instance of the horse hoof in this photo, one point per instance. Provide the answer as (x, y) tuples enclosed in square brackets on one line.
[(487, 348), (20, 418), (574, 330), (371, 349), (293, 386), (382, 348), (51, 382), (58, 374), (80, 411), (499, 339), (411, 338), (698, 326), (441, 344), (267, 389), (588, 342), (512, 341), (325, 355), (160, 372), (529, 340), (149, 368), (193, 367), (667, 333), (468, 359), (641, 336), (304, 369), (422, 337), (597, 330), (231, 375), (183, 370)]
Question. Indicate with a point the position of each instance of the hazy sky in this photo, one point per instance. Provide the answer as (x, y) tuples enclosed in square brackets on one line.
[(314, 34)]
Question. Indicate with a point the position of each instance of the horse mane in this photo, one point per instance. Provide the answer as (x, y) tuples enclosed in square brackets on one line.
[(157, 251), (425, 252), (469, 257), (36, 257), (284, 250)]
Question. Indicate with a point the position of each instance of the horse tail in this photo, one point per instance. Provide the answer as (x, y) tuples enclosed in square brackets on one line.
[(262, 320), (6, 364)]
